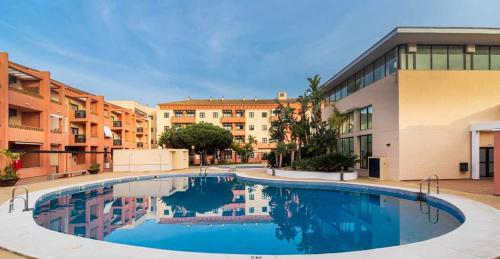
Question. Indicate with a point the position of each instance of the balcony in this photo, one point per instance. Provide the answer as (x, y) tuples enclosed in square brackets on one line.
[(232, 119), (25, 133), (26, 99), (140, 130), (238, 132), (80, 139), (56, 136), (117, 142), (140, 144), (183, 120), (117, 124), (78, 116)]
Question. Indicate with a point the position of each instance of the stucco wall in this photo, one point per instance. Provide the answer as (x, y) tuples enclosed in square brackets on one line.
[(382, 95), (142, 160), (436, 109)]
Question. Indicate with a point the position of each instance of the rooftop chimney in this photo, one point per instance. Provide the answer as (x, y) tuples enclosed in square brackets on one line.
[(282, 96), (211, 98), (222, 98), (255, 99), (189, 98)]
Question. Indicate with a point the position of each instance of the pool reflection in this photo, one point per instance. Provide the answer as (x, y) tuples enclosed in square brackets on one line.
[(290, 220)]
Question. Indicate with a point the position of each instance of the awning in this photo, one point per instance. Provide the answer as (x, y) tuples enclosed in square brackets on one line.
[(55, 116), (27, 143), (107, 132)]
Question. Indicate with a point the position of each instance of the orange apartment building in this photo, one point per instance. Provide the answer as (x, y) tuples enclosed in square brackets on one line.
[(243, 117), (39, 114)]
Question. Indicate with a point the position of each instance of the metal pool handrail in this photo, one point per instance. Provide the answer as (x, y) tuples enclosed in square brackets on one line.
[(13, 198), (428, 180)]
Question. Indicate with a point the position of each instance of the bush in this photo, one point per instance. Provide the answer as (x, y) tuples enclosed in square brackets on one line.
[(95, 166), (333, 162)]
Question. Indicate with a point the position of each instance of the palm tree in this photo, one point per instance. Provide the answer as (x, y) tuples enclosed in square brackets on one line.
[(292, 147), (280, 151), (316, 96), (337, 120)]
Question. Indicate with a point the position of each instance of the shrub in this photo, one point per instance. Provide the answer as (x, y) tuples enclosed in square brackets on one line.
[(95, 166), (333, 162)]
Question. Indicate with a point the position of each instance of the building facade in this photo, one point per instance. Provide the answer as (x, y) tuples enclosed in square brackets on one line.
[(243, 117), (413, 98), (58, 127)]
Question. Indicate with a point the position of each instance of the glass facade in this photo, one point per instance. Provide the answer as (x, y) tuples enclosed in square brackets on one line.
[(426, 57), (365, 148), (365, 118), (346, 146)]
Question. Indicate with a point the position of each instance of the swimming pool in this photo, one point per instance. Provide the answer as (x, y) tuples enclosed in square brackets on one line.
[(225, 214)]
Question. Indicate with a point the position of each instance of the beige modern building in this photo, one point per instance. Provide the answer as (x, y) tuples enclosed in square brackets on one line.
[(423, 101), (243, 117)]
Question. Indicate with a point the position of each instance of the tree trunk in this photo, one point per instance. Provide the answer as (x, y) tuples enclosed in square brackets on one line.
[(281, 160), (276, 159), (292, 158)]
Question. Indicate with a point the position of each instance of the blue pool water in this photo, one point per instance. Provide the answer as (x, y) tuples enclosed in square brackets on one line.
[(224, 215)]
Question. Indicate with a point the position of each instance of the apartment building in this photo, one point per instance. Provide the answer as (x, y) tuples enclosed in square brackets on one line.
[(423, 101), (142, 122), (243, 117), (58, 127)]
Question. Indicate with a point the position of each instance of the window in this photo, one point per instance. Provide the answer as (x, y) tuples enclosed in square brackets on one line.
[(12, 80), (202, 115), (74, 131), (351, 85), (165, 128), (240, 113), (264, 127), (359, 80), (264, 209), (178, 114), (251, 114), (252, 155), (250, 127), (456, 57), (368, 75), (348, 125), (12, 112), (439, 57), (365, 117), (346, 146), (152, 130), (251, 210), (74, 107), (264, 115), (227, 126), (227, 113), (215, 115), (166, 212), (264, 140), (191, 114), (379, 72), (402, 57), (239, 126), (480, 59), (495, 58), (251, 197), (166, 115), (423, 57), (391, 62), (365, 147)]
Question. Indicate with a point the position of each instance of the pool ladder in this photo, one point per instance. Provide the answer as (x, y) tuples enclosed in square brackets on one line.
[(428, 181), (13, 198), (203, 171)]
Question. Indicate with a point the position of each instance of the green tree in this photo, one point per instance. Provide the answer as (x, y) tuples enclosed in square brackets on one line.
[(206, 139), (281, 150), (337, 120), (245, 149)]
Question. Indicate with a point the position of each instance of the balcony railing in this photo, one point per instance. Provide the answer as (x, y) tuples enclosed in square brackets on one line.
[(140, 144), (80, 114), (140, 130), (117, 124), (117, 142), (80, 138), (27, 92), (57, 131), (15, 126)]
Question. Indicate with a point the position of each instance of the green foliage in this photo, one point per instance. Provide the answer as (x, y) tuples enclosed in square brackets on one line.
[(245, 149), (9, 172), (333, 162), (95, 166), (206, 139)]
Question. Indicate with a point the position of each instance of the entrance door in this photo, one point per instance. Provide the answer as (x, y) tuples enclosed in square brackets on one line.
[(486, 162)]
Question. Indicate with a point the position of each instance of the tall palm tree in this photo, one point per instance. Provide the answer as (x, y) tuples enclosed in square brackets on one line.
[(280, 151), (316, 96), (337, 120)]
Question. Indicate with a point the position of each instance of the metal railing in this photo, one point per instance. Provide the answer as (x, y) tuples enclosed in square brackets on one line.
[(117, 142), (428, 180), (13, 198), (117, 124), (80, 138), (81, 114)]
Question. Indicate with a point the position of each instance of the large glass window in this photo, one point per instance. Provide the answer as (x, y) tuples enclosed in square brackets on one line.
[(343, 90), (351, 85), (480, 59), (365, 118), (439, 57), (359, 80), (379, 72), (348, 125), (456, 57), (365, 150), (423, 59), (402, 57), (495, 58), (346, 146), (391, 62), (368, 75)]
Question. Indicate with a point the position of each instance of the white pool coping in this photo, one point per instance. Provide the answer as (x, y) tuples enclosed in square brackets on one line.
[(477, 237)]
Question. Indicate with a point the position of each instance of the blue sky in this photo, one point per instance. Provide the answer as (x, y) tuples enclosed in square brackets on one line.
[(156, 51)]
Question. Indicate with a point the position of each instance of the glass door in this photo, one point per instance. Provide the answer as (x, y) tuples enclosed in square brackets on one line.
[(486, 162)]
